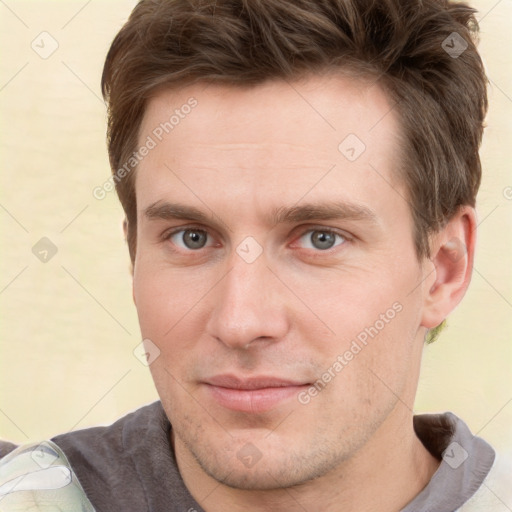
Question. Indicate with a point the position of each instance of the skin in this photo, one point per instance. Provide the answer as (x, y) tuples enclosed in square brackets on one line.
[(239, 155)]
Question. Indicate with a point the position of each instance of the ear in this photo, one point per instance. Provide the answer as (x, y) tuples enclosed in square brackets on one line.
[(125, 228), (452, 253), (125, 231)]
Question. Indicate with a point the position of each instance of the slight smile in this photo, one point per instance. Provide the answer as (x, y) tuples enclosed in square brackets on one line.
[(251, 395)]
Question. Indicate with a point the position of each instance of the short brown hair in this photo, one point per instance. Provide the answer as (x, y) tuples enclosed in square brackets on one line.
[(422, 52)]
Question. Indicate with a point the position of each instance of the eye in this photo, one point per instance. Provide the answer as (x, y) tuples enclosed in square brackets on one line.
[(321, 239), (192, 239)]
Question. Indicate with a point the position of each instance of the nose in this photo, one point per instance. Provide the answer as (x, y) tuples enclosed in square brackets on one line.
[(248, 306)]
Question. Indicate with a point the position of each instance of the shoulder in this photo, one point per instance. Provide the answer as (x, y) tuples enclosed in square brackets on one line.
[(33, 476), (97, 444), (6, 447), (465, 465), (104, 462), (495, 492), (106, 459)]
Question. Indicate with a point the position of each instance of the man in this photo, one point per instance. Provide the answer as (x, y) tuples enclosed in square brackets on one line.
[(299, 182)]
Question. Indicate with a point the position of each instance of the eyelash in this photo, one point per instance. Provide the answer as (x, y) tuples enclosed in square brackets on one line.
[(166, 236)]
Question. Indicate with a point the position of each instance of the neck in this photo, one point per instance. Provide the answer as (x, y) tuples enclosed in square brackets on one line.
[(393, 464)]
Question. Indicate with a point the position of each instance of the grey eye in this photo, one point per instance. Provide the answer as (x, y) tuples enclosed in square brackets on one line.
[(190, 238), (321, 239)]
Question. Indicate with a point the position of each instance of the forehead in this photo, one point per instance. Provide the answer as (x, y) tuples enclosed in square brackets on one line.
[(311, 109), (285, 136)]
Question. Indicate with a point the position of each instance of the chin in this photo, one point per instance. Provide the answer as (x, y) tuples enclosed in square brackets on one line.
[(267, 468)]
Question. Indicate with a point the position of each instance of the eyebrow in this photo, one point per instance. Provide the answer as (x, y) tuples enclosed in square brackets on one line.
[(323, 211), (162, 210), (172, 211)]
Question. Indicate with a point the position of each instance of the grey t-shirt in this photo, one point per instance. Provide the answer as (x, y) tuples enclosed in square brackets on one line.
[(130, 465)]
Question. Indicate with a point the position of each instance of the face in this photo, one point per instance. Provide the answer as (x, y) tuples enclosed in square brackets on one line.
[(276, 275)]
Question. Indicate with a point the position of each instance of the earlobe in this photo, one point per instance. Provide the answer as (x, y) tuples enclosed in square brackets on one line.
[(125, 228), (452, 256), (125, 232)]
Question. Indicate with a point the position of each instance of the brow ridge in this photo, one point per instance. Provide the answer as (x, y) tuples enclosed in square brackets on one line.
[(283, 215)]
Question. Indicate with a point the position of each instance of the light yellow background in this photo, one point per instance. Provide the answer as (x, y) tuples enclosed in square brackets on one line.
[(69, 327)]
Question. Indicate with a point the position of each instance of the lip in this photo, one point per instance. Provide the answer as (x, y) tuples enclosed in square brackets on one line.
[(251, 395)]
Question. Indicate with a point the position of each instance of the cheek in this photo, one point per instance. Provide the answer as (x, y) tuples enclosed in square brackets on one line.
[(375, 321), (161, 297), (390, 356), (349, 303), (171, 306)]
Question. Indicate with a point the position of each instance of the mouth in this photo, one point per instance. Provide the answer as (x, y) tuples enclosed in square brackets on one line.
[(252, 395)]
